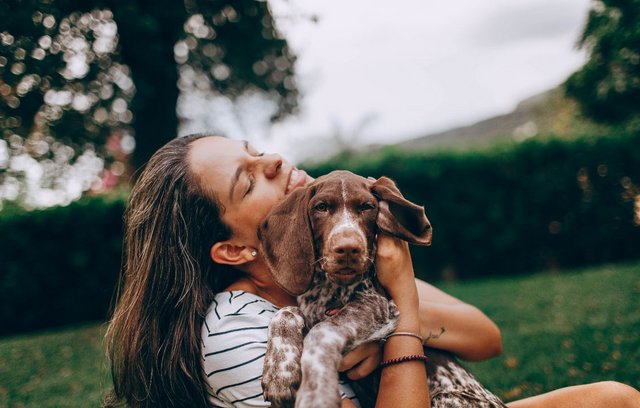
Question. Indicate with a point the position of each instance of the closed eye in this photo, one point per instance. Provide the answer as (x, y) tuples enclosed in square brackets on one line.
[(252, 182), (250, 149)]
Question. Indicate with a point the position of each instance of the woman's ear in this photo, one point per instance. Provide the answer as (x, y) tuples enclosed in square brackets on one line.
[(227, 253)]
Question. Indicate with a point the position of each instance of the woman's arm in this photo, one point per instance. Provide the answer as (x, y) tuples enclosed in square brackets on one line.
[(403, 384), (468, 332)]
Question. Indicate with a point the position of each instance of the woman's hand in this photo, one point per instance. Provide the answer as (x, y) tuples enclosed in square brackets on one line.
[(393, 265), (361, 361), (403, 384), (395, 274)]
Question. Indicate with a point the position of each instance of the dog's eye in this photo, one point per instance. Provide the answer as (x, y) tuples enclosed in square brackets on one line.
[(366, 206), (322, 207)]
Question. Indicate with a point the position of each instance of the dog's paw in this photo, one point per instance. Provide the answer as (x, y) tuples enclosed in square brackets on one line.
[(279, 390), (310, 395), (280, 383)]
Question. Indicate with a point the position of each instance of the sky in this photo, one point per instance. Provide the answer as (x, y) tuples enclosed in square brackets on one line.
[(381, 72), (373, 72)]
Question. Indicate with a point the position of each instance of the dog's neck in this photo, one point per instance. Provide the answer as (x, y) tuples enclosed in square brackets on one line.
[(332, 295)]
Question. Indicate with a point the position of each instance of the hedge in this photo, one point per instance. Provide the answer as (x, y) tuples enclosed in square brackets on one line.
[(59, 266), (509, 210), (542, 204)]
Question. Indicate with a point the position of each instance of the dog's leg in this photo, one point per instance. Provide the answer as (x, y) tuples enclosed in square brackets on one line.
[(322, 353), (281, 373), (369, 317)]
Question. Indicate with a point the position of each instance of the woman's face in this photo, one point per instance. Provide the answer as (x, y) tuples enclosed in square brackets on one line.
[(246, 182)]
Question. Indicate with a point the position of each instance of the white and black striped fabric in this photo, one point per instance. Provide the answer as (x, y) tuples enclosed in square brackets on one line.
[(234, 337)]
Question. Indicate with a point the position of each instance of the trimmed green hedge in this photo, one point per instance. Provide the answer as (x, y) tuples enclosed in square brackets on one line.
[(510, 210), (60, 265), (514, 209)]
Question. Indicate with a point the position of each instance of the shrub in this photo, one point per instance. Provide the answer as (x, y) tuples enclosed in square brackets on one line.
[(59, 265), (542, 204), (508, 210)]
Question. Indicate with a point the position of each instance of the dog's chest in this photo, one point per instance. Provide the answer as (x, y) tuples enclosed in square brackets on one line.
[(326, 298)]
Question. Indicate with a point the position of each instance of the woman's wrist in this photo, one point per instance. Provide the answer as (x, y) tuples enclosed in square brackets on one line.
[(411, 326), (403, 288), (408, 305), (401, 346)]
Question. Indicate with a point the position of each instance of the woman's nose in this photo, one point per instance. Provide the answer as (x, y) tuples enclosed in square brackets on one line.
[(272, 165)]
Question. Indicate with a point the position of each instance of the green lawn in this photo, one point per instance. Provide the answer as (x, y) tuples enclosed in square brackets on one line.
[(64, 368), (558, 329)]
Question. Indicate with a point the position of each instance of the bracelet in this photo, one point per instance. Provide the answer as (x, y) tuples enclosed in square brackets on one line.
[(403, 359), (410, 334)]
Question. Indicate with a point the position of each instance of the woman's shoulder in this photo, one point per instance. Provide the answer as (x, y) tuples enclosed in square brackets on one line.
[(235, 317), (234, 341), (235, 334), (230, 305)]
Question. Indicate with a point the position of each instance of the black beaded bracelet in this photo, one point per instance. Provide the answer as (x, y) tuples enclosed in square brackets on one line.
[(403, 359)]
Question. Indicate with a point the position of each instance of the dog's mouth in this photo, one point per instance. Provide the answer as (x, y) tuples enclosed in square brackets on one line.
[(345, 273), (345, 276)]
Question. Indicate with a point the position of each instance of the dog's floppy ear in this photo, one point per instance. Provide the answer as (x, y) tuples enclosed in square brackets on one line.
[(398, 216), (286, 242)]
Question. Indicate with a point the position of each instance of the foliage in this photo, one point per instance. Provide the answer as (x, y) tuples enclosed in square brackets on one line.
[(499, 212), (85, 77), (63, 94), (59, 265), (558, 330), (537, 205), (608, 85)]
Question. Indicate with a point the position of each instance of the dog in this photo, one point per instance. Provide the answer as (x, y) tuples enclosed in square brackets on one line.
[(319, 244)]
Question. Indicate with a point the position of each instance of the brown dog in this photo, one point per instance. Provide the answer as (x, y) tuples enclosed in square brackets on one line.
[(319, 243), (320, 246)]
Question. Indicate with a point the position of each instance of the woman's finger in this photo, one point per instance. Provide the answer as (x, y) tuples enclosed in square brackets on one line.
[(366, 367), (359, 355)]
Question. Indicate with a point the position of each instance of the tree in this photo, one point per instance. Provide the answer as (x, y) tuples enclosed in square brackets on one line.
[(80, 80), (607, 87)]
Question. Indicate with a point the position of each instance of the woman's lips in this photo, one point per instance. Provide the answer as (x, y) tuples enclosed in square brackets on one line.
[(297, 178)]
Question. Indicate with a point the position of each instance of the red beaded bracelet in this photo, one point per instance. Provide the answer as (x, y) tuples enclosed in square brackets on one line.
[(412, 357)]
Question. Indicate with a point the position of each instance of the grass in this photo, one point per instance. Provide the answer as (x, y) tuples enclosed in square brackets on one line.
[(558, 329), (64, 368)]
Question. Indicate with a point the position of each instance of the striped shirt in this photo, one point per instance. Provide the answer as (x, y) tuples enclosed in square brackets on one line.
[(234, 335)]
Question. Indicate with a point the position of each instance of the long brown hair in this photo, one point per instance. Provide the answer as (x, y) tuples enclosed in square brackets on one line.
[(168, 281)]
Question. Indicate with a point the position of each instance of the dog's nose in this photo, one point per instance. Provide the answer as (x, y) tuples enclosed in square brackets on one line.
[(347, 245)]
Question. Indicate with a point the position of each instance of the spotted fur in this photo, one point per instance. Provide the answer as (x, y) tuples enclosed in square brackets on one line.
[(452, 386), (319, 244)]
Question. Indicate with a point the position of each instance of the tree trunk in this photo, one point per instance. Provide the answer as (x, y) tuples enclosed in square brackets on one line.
[(148, 30)]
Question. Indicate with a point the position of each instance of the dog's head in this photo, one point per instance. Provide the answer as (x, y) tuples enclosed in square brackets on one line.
[(333, 222)]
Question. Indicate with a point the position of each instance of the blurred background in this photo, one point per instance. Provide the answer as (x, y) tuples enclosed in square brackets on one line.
[(517, 125)]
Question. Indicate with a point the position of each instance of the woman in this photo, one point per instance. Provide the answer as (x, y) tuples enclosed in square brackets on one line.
[(191, 251)]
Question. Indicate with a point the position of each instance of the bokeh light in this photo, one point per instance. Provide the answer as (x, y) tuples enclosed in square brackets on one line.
[(51, 152)]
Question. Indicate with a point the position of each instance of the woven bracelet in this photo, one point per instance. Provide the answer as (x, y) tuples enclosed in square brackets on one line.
[(403, 359), (410, 334)]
